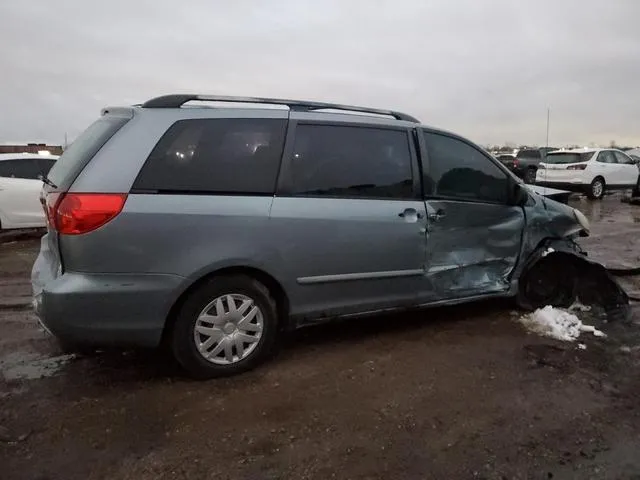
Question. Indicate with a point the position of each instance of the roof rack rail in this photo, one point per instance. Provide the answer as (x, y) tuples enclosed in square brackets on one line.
[(177, 100)]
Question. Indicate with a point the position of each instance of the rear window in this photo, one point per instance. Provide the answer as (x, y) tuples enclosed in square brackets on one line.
[(216, 156), (529, 154), (568, 157), (27, 168), (83, 149)]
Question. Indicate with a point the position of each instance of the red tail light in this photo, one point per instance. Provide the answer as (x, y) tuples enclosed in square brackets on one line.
[(515, 162), (78, 213), (49, 203), (581, 166)]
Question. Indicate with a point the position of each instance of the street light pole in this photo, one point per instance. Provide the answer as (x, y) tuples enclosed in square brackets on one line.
[(548, 116)]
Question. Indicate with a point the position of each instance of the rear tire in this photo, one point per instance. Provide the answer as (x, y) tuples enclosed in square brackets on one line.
[(596, 188), (226, 326), (530, 176)]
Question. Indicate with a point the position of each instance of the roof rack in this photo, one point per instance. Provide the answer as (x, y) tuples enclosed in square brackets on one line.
[(177, 100)]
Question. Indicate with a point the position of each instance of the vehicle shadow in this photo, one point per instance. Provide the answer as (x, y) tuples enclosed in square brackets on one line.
[(107, 368)]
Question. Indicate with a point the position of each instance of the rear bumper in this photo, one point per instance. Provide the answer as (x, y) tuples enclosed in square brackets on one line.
[(103, 309)]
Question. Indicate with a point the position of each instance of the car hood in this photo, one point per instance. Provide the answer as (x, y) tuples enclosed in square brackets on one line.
[(546, 191)]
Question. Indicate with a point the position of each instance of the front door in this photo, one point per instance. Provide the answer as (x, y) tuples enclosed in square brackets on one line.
[(606, 166), (628, 170), (473, 234), (353, 219)]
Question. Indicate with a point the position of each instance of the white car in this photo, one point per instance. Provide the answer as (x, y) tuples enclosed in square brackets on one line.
[(592, 171), (20, 187)]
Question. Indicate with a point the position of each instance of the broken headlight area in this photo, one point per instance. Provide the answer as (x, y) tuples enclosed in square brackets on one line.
[(559, 274)]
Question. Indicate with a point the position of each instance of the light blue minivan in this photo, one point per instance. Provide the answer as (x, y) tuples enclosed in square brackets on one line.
[(211, 224)]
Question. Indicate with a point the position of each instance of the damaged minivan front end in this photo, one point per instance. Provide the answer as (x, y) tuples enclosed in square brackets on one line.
[(555, 270)]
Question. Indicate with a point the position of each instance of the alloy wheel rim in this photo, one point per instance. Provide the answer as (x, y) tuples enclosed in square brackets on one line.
[(228, 329), (597, 188)]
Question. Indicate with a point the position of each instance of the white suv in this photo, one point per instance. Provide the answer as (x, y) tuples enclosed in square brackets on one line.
[(20, 187), (592, 171)]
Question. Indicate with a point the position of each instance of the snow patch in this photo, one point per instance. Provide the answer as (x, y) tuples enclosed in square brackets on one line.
[(557, 323), (548, 251)]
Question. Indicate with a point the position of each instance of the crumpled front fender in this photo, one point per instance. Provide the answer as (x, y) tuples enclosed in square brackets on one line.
[(593, 284)]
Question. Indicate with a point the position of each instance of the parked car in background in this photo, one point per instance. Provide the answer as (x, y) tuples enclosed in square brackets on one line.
[(592, 171), (634, 154), (213, 229), (523, 162), (20, 188)]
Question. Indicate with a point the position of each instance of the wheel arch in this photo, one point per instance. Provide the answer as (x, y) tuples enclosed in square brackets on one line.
[(269, 281)]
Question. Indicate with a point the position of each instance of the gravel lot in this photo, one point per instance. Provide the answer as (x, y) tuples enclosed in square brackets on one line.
[(446, 393)]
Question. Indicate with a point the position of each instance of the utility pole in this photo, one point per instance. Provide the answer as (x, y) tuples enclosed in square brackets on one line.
[(65, 142), (548, 116)]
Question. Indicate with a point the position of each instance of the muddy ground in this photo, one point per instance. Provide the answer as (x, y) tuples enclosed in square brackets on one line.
[(447, 393)]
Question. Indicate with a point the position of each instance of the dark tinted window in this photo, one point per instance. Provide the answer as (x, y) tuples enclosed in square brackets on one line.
[(20, 168), (216, 156), (607, 157), (337, 161), (622, 158), (458, 170), (83, 149), (534, 154), (568, 157), (46, 164)]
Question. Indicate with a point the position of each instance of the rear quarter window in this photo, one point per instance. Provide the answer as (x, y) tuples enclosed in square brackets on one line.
[(83, 149), (215, 156)]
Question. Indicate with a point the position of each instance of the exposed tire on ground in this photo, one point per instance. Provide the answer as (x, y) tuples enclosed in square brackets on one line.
[(550, 281), (226, 326), (596, 188), (530, 175), (596, 286)]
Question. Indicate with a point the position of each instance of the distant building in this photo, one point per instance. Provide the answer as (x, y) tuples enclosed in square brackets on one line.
[(31, 148)]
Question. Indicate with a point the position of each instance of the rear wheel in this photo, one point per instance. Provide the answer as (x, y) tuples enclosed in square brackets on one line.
[(226, 326), (596, 189), (530, 175)]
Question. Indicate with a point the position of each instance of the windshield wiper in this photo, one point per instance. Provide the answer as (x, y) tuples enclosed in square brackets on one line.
[(46, 181)]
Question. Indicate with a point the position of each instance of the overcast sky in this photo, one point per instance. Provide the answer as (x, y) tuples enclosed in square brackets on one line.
[(486, 69)]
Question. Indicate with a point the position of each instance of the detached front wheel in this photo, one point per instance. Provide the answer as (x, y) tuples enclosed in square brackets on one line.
[(225, 327), (551, 281)]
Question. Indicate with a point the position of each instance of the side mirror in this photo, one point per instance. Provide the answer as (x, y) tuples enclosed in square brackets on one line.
[(519, 196)]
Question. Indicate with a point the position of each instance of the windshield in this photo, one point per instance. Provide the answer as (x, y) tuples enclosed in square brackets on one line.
[(568, 157)]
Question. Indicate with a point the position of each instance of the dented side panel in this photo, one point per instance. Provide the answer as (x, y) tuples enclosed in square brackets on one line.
[(472, 248), (545, 220)]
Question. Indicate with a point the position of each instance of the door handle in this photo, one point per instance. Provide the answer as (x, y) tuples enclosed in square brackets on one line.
[(437, 216)]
